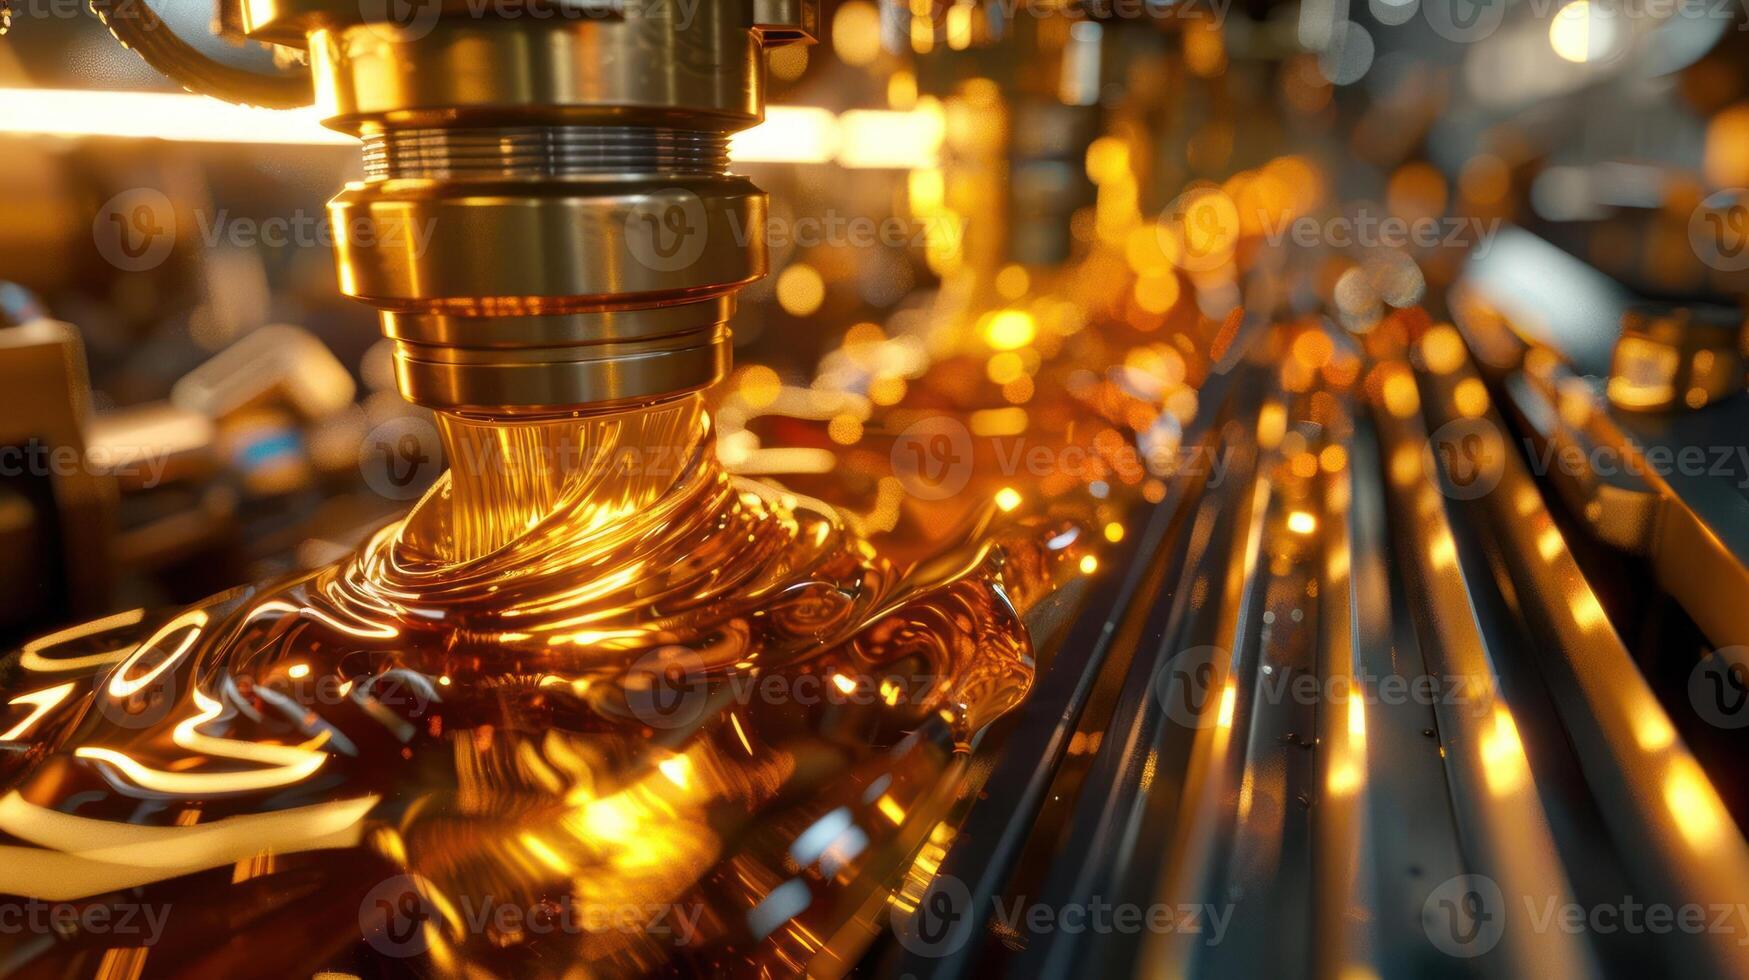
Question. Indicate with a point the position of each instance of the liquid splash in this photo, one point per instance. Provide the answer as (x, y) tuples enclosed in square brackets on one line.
[(593, 702)]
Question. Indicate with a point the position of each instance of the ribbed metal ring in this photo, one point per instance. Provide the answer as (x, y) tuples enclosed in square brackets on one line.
[(543, 151)]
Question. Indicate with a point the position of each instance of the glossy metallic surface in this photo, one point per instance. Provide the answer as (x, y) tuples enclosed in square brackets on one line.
[(588, 151)]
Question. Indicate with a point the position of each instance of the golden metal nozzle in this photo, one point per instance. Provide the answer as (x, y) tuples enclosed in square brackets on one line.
[(547, 221)]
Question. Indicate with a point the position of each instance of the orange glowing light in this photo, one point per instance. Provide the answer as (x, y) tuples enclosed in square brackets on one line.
[(41, 702)]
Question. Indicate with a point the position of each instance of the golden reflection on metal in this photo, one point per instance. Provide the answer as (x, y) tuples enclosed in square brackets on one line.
[(31, 658), (1442, 550), (1696, 805), (76, 856), (1229, 703), (514, 590), (122, 963), (1652, 729), (1501, 753), (1587, 611), (1643, 374), (1345, 777), (41, 702), (1347, 771), (520, 598), (122, 686)]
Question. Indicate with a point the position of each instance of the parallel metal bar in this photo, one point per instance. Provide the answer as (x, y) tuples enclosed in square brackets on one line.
[(1208, 681), (994, 834), (1115, 829), (1508, 843), (1670, 829), (1386, 839)]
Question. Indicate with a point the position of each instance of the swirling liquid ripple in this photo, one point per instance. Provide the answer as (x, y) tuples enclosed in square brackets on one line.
[(593, 706)]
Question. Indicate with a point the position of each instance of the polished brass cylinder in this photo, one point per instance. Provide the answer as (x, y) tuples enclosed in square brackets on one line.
[(546, 220)]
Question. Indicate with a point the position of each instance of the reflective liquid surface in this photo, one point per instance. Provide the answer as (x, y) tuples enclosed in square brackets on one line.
[(594, 707)]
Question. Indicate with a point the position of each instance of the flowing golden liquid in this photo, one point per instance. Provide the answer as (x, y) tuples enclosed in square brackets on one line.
[(594, 706)]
